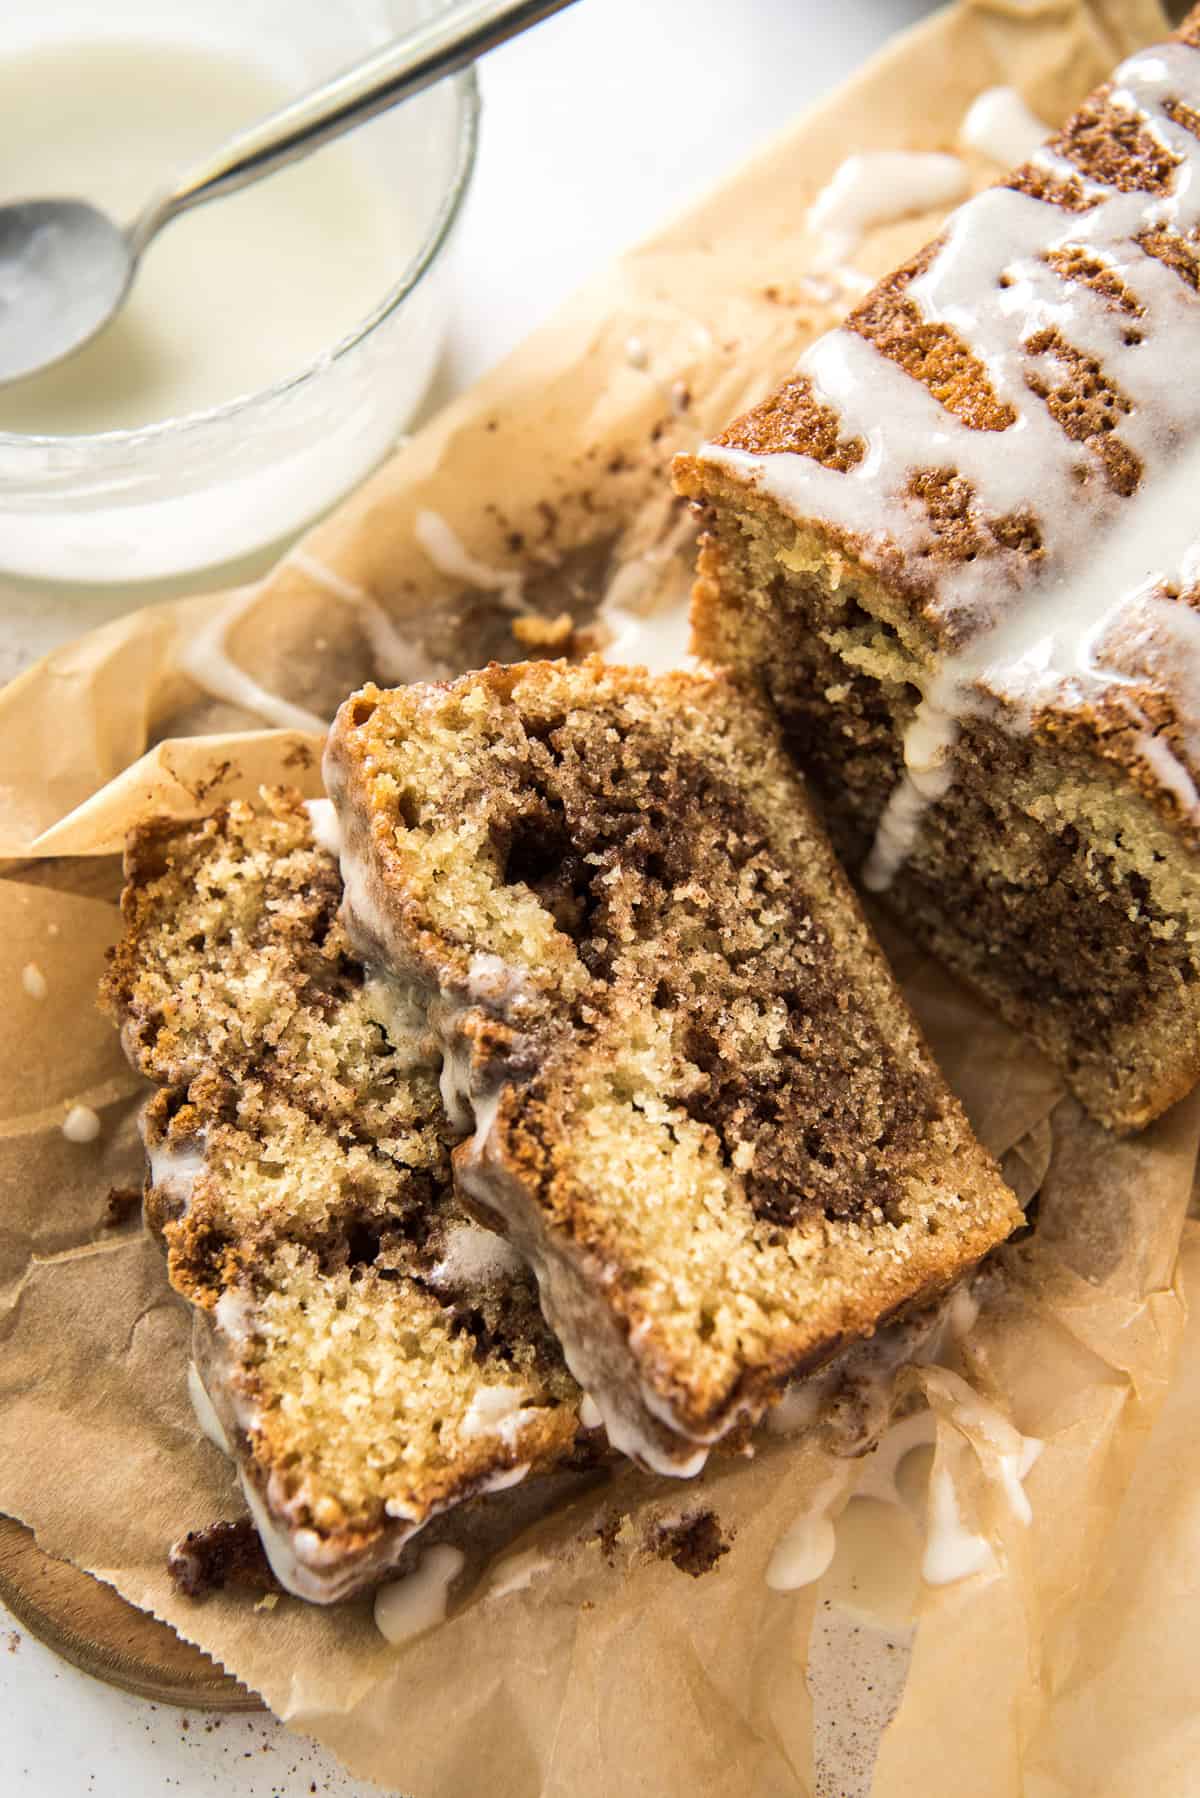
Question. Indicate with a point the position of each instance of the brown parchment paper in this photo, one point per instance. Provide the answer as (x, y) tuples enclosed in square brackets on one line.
[(1066, 1667)]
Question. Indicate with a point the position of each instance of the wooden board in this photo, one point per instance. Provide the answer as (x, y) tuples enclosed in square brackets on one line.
[(91, 1626)]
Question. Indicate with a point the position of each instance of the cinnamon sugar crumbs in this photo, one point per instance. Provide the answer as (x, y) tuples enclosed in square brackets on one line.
[(536, 632), (694, 1544), (121, 1203), (221, 1554), (608, 1532)]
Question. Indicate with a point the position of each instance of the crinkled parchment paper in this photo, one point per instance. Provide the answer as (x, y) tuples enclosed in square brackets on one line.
[(1065, 1665)]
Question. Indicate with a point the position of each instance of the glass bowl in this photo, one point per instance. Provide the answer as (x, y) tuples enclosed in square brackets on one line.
[(208, 486)]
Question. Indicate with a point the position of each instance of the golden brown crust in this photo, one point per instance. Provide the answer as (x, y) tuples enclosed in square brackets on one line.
[(793, 417), (929, 351), (1109, 144)]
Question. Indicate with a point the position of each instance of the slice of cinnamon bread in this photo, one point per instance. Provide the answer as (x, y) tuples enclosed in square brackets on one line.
[(701, 1109), (373, 1356), (959, 550)]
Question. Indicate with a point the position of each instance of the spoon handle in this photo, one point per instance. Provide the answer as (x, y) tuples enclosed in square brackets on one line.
[(447, 43)]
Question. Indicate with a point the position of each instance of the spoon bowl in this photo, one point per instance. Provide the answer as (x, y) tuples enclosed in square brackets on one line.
[(64, 270)]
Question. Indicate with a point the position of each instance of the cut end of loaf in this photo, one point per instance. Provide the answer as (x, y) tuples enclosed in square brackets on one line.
[(374, 1355), (702, 1110)]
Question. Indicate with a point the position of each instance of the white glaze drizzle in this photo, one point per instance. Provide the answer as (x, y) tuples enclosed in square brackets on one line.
[(203, 654), (34, 981), (394, 1005), (999, 125), (493, 981), (504, 1477), (866, 1373), (646, 604), (962, 1312), (396, 658), (472, 1256), (878, 1470), (804, 1552), (515, 1573), (799, 1407), (204, 657), (454, 1085), (450, 556), (1004, 1455), (408, 1607), (1077, 629), (589, 1413), (656, 641), (326, 831), (81, 1124), (952, 1551), (175, 1171), (497, 1411), (876, 188), (206, 1411), (322, 575), (1009, 1456), (234, 1315), (294, 1555)]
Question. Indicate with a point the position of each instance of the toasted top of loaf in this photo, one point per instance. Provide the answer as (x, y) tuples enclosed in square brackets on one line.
[(997, 444), (376, 1355), (701, 1107)]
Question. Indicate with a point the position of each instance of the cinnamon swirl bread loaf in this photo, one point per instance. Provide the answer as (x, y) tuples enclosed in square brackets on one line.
[(960, 551)]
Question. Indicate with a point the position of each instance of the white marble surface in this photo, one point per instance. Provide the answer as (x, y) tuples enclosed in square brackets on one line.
[(596, 126)]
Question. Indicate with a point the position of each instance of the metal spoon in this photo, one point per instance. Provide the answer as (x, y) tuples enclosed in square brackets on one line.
[(65, 267)]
